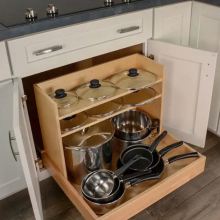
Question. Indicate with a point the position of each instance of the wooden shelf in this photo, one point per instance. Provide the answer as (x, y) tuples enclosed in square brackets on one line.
[(85, 105), (92, 121)]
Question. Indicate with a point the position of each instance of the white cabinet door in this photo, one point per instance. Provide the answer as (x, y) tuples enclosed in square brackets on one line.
[(205, 35), (11, 174), (5, 72), (25, 150), (189, 78), (172, 23)]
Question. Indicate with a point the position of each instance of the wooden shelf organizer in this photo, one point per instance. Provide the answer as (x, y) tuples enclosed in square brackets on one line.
[(136, 198)]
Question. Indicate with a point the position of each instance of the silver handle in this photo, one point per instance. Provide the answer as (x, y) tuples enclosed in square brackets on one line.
[(129, 29), (48, 50), (12, 150)]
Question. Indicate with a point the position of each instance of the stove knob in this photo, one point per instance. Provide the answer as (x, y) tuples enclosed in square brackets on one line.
[(30, 14), (108, 2), (52, 9)]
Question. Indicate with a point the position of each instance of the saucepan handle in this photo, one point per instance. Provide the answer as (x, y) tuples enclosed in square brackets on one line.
[(155, 125), (182, 156), (121, 170), (169, 148), (157, 141), (153, 176), (137, 174)]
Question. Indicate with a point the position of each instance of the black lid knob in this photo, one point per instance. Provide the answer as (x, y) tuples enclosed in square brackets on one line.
[(60, 93), (132, 72), (69, 118), (94, 83)]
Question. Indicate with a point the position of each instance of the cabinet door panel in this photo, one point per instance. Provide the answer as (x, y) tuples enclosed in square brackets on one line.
[(205, 35), (189, 78), (11, 174), (25, 150), (172, 23)]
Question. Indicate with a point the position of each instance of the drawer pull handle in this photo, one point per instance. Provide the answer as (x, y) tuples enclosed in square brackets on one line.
[(48, 50), (129, 29), (12, 150)]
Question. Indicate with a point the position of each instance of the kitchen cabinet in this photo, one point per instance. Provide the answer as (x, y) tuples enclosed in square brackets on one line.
[(172, 23), (11, 173), (190, 72), (49, 50), (205, 35), (186, 93), (5, 72)]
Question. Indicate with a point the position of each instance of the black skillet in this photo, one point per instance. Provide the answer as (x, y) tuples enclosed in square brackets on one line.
[(158, 170), (147, 152)]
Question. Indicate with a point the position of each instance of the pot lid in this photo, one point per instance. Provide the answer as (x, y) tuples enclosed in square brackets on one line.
[(73, 122), (105, 109), (93, 136), (64, 99), (96, 90), (134, 79), (138, 98)]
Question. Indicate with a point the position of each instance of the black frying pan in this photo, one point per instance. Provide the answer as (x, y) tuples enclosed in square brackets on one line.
[(158, 170), (146, 151)]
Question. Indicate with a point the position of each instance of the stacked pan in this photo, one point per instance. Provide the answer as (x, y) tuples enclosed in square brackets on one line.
[(139, 163)]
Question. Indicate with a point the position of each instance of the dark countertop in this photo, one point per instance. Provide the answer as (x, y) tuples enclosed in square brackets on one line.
[(79, 17)]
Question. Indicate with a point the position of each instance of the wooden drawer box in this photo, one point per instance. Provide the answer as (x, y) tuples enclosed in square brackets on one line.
[(74, 43), (136, 198)]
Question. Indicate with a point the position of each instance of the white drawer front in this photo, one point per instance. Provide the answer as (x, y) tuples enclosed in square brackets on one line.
[(44, 51), (5, 72)]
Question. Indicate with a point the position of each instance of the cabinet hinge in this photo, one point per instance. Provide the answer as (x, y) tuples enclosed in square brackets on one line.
[(39, 162), (24, 98), (151, 56)]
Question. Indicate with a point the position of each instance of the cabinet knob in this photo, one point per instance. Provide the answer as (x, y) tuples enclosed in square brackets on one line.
[(30, 14), (52, 10)]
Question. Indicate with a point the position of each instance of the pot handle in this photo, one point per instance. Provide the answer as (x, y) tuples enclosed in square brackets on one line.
[(157, 141), (181, 156), (155, 125), (121, 170), (153, 176), (170, 147), (135, 175)]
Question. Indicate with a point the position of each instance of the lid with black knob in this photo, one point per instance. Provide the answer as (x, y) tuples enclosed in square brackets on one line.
[(64, 99), (134, 79), (96, 90)]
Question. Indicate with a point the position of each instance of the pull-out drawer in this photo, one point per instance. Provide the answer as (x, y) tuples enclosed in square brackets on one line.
[(41, 52), (138, 197), (142, 195)]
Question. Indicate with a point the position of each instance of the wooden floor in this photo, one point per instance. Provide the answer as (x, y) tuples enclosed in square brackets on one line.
[(199, 199)]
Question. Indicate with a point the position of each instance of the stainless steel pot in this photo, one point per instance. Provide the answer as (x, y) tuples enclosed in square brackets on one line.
[(89, 151), (120, 145), (133, 125)]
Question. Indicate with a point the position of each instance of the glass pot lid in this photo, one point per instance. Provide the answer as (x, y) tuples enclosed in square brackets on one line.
[(134, 79), (64, 99), (105, 109), (73, 122), (96, 90), (93, 136), (138, 98)]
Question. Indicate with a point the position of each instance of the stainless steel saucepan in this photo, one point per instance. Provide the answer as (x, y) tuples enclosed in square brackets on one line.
[(133, 125)]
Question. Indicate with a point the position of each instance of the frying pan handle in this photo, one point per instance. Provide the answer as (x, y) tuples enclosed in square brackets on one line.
[(153, 176), (132, 176), (182, 156), (157, 141), (121, 170), (169, 148), (155, 125)]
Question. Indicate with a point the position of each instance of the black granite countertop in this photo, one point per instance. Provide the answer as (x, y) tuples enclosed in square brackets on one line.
[(79, 17)]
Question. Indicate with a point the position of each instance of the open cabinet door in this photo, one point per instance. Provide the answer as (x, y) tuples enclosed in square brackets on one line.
[(189, 78), (25, 151)]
